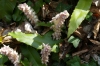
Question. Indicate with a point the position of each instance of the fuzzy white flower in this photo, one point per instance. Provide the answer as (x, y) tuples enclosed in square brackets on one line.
[(45, 53), (28, 27), (25, 27), (12, 54), (58, 21), (29, 12)]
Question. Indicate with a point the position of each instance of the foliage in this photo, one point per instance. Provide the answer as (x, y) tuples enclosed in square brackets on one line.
[(61, 7), (6, 9), (37, 7), (78, 15), (3, 59), (35, 40), (44, 24), (75, 61), (31, 56), (16, 16), (32, 43), (75, 41), (89, 16)]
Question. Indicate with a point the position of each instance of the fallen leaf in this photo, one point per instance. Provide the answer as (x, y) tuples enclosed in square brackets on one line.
[(87, 28), (96, 29), (95, 42), (80, 52), (7, 39), (80, 33), (95, 10), (97, 2), (1, 38)]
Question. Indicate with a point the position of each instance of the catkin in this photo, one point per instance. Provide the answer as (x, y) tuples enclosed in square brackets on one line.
[(58, 21), (11, 54), (45, 52), (29, 12)]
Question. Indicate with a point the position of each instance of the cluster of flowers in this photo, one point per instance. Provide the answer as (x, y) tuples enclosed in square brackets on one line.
[(58, 21), (11, 54), (29, 12), (45, 52)]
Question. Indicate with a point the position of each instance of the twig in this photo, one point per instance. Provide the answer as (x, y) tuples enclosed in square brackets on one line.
[(80, 52)]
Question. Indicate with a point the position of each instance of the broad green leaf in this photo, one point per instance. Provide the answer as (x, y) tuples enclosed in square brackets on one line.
[(75, 41), (25, 38), (35, 39), (3, 59), (6, 9), (78, 15), (32, 55)]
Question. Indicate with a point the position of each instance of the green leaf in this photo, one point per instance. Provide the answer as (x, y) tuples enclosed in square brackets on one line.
[(7, 18), (38, 5), (17, 15), (61, 7), (6, 9), (89, 16), (85, 64), (35, 39), (47, 1), (55, 48), (44, 24), (30, 3), (75, 61), (25, 62), (3, 59), (55, 57), (92, 63), (75, 41), (32, 55), (75, 64), (78, 15)]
